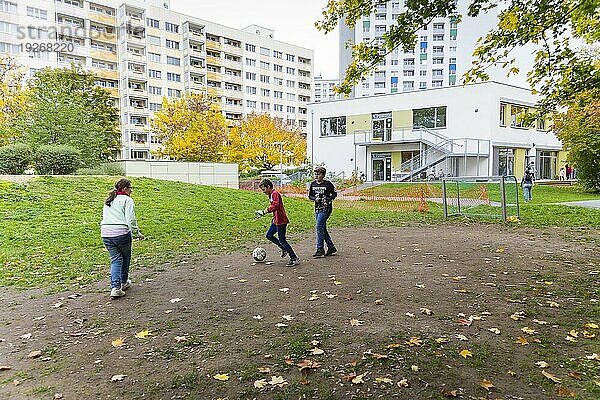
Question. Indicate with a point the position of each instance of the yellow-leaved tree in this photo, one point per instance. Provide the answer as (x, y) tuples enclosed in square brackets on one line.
[(191, 128), (261, 141), (13, 98)]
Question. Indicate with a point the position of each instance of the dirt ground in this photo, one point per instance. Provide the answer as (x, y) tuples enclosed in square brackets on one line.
[(391, 314)]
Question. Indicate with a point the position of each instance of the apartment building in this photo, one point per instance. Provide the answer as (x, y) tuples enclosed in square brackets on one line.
[(142, 51), (443, 52), (324, 90)]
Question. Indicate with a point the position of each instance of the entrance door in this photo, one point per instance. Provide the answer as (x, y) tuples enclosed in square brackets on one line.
[(382, 167)]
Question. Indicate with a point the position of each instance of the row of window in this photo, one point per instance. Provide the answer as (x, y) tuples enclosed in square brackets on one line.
[(515, 114), (276, 107)]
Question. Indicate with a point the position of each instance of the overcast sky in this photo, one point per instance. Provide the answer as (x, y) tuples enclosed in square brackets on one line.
[(292, 20)]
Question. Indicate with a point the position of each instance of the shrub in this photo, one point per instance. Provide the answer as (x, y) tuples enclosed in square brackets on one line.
[(110, 168), (15, 158), (57, 160)]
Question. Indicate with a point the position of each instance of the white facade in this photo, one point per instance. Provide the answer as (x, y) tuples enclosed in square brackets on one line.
[(141, 51), (471, 130), (324, 90), (443, 52)]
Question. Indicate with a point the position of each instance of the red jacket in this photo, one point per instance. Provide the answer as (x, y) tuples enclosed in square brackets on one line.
[(276, 207)]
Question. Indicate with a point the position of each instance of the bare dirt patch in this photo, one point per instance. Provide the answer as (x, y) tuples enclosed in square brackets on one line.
[(394, 310)]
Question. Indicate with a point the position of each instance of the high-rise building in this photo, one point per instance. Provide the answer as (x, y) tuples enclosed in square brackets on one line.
[(142, 51), (324, 89), (443, 52)]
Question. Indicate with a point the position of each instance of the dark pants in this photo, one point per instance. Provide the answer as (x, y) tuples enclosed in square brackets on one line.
[(322, 234), (119, 248), (280, 240)]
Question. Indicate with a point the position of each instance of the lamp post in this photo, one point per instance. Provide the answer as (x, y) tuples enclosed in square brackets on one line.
[(280, 144)]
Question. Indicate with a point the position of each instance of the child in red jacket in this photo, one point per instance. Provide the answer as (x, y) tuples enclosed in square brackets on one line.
[(279, 222)]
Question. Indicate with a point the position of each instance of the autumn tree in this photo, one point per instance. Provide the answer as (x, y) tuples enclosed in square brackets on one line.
[(560, 30), (65, 107), (579, 130), (260, 141), (13, 98), (191, 128)]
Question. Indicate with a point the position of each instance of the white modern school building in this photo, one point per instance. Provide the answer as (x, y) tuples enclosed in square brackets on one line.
[(471, 130)]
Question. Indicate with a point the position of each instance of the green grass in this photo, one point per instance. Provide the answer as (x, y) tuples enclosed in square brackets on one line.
[(49, 227)]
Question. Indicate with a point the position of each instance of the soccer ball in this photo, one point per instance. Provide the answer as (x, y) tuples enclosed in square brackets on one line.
[(259, 254)]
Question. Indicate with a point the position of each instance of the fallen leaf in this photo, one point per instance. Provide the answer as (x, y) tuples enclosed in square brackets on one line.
[(116, 378), (379, 356), (553, 304), (426, 311), (257, 317), (316, 351), (564, 392), (393, 345), (442, 340), (383, 380), (221, 377), (486, 384), (5, 367), (57, 305), (313, 297), (34, 354), (542, 364), (280, 325), (465, 322), (494, 330), (540, 322), (143, 334), (414, 368), (522, 341), (287, 317), (261, 383), (402, 383), (355, 322), (553, 378), (528, 330), (462, 337), (451, 393), (588, 335), (409, 314), (379, 301), (573, 333), (575, 375), (264, 370), (278, 381), (594, 356), (26, 336), (307, 364), (358, 379), (175, 300), (180, 339), (591, 325), (414, 341), (466, 353), (118, 342), (519, 315), (284, 290), (571, 339)]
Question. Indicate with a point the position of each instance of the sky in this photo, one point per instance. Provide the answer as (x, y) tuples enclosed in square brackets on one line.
[(292, 20)]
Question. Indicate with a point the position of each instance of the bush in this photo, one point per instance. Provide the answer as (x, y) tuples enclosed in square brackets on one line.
[(15, 158), (110, 168), (57, 160)]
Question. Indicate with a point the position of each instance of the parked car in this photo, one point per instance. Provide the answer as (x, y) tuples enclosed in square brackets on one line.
[(276, 177)]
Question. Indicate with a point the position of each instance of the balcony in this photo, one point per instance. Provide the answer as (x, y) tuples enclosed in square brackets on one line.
[(68, 9), (102, 18), (136, 57), (138, 92), (232, 64), (137, 110), (237, 51), (214, 60), (211, 44), (105, 73), (214, 76), (215, 92), (135, 21), (198, 68), (103, 37), (104, 55), (136, 39), (233, 79)]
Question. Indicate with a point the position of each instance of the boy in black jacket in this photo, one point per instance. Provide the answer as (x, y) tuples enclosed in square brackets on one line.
[(322, 192)]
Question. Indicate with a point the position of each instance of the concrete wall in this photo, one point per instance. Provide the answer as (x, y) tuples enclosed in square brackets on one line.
[(210, 174)]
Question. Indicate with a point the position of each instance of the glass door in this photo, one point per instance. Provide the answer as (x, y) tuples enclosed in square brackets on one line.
[(378, 167)]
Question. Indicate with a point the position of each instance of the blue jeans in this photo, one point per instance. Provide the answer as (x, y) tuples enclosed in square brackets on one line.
[(527, 191), (322, 234), (119, 248), (280, 241)]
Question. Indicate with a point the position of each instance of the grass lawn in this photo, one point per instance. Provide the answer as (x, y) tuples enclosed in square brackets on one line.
[(49, 227)]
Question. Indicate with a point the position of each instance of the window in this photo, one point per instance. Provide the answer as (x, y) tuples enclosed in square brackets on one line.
[(251, 103), (251, 76), (437, 73), (516, 116), (410, 72), (452, 49), (423, 73), (250, 89), (251, 48), (155, 106), (278, 107), (171, 44), (438, 60), (277, 68), (422, 85), (174, 93), (173, 77), (438, 37), (290, 84), (154, 57), (436, 83), (366, 26), (173, 61), (170, 27), (250, 62), (277, 54), (291, 96), (278, 81), (8, 6), (291, 71), (7, 27), (438, 25), (264, 51), (277, 94), (155, 40), (265, 106), (502, 114), (265, 92), (37, 13), (265, 65), (408, 85), (101, 10), (264, 78), (291, 109), (153, 23), (290, 57), (409, 61), (155, 90), (152, 73), (432, 117), (333, 126)]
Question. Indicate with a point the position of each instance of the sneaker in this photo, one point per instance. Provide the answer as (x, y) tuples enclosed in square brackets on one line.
[(284, 253), (116, 292), (293, 262), (331, 251), (126, 285), (319, 253)]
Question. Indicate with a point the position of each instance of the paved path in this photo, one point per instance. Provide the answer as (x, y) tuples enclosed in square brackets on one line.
[(586, 203)]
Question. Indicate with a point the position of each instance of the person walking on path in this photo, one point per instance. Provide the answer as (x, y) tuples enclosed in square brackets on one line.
[(527, 183), (569, 171), (562, 174), (322, 192), (279, 222), (117, 227)]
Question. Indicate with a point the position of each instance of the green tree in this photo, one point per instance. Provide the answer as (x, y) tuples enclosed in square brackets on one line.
[(191, 128), (579, 130), (13, 98), (561, 31), (261, 141), (65, 107)]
